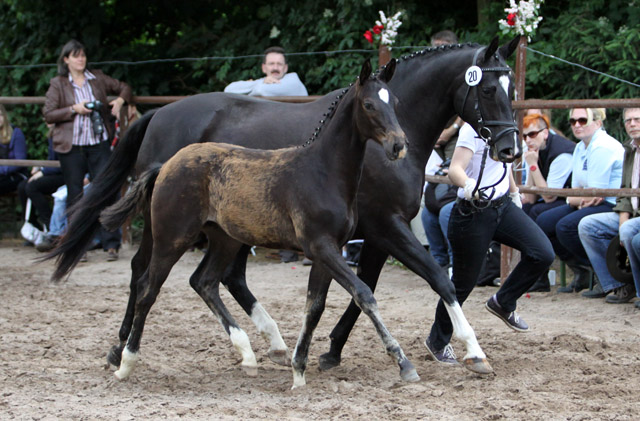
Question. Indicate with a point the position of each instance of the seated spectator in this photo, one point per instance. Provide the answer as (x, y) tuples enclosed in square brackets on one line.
[(277, 81), (596, 163), (596, 231), (12, 146), (43, 182)]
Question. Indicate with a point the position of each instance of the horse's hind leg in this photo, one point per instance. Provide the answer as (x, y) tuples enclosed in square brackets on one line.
[(370, 265), (206, 282), (139, 264), (319, 281), (236, 283), (148, 286)]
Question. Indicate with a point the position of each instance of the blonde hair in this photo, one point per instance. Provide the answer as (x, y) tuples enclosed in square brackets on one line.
[(593, 114), (5, 130)]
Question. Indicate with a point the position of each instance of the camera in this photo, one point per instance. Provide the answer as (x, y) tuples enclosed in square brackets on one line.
[(96, 119)]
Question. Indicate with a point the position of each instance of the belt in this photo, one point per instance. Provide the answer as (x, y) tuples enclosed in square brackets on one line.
[(482, 204)]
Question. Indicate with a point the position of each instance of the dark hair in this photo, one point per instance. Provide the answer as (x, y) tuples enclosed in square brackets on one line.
[(447, 36), (275, 49), (69, 48)]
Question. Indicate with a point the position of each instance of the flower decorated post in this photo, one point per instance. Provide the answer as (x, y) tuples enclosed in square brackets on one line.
[(383, 34)]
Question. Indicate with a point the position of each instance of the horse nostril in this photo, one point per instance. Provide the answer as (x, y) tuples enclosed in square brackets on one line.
[(397, 147)]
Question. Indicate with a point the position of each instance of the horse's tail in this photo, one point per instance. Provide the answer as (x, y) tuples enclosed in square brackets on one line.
[(136, 198), (83, 217)]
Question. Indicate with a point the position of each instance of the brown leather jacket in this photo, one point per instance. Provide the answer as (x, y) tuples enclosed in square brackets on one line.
[(60, 98)]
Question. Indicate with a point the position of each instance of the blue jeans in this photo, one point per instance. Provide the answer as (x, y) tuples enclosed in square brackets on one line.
[(596, 232), (630, 239), (435, 227), (469, 235), (560, 224)]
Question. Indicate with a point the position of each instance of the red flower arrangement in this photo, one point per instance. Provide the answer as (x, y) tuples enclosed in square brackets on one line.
[(369, 33), (511, 19)]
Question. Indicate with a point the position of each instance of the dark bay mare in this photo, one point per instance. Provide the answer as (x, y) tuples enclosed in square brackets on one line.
[(242, 196), (432, 86)]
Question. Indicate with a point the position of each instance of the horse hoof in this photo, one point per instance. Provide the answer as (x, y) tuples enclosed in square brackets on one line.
[(478, 365), (250, 371), (410, 375), (327, 362), (280, 356), (114, 356)]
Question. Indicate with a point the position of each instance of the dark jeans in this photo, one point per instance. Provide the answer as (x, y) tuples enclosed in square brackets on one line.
[(561, 226), (470, 235), (39, 191), (535, 209), (75, 165)]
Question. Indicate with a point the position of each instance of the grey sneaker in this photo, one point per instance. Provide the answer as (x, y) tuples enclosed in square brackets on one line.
[(443, 356), (511, 319)]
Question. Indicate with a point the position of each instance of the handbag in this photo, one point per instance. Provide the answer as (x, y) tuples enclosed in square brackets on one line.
[(28, 231)]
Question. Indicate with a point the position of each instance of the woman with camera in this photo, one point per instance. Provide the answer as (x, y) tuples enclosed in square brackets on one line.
[(83, 125)]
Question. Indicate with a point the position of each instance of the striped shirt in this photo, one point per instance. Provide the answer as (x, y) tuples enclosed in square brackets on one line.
[(82, 129)]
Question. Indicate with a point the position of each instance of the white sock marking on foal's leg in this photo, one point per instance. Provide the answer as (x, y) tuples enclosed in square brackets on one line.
[(241, 342), (463, 331), (127, 364), (267, 328), (384, 95)]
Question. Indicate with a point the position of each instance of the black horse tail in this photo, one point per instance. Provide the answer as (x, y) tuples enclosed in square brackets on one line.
[(83, 216), (138, 197)]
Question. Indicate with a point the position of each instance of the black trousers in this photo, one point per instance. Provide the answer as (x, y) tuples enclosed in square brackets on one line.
[(470, 233), (9, 182), (39, 191), (75, 164)]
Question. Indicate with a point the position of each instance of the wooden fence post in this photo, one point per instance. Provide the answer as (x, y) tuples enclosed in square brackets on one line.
[(384, 55)]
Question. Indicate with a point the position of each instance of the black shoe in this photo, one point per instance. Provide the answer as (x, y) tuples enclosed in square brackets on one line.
[(47, 244), (622, 295), (596, 292), (542, 284), (581, 276), (511, 319)]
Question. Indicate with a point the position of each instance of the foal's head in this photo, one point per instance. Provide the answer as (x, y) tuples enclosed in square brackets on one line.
[(375, 115)]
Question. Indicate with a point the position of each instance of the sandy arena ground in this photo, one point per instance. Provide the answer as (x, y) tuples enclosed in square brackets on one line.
[(579, 362)]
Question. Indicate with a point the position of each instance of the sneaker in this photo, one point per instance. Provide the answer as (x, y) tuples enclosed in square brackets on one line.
[(622, 295), (112, 255), (47, 244), (444, 356), (511, 319), (307, 262)]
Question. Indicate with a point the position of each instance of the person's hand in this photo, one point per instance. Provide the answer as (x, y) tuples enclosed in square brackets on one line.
[(35, 176), (590, 201), (469, 186), (116, 105), (80, 108), (516, 199), (271, 79), (531, 157), (132, 112)]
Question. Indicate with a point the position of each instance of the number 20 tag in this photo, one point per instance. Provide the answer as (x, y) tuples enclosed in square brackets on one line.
[(473, 75)]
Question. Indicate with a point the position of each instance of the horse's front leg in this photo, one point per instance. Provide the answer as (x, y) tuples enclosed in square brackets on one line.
[(370, 265), (401, 243), (319, 281), (236, 283), (330, 256)]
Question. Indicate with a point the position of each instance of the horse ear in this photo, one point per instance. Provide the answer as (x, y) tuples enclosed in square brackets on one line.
[(508, 49), (365, 72), (491, 49), (389, 70)]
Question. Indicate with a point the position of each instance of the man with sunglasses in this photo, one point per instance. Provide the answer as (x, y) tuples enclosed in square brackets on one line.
[(596, 163), (548, 164), (597, 231)]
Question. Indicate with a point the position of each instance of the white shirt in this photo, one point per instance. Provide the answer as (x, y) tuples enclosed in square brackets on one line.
[(290, 85), (493, 170)]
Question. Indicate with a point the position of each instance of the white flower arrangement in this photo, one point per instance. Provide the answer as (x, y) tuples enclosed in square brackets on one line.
[(385, 30), (522, 18)]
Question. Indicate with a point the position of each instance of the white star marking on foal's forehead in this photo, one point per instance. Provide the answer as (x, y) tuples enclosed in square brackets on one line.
[(504, 82), (384, 95)]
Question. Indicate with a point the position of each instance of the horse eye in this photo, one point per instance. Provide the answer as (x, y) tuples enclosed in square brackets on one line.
[(488, 90), (368, 106)]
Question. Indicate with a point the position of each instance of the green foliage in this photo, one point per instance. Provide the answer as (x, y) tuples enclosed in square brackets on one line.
[(602, 34)]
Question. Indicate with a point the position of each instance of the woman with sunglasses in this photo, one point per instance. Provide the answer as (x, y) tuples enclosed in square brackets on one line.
[(596, 163)]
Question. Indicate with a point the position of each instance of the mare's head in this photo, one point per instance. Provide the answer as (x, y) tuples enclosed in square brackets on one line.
[(484, 100), (375, 111)]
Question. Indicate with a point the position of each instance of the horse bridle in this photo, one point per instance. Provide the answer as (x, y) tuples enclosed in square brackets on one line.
[(485, 133)]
